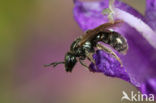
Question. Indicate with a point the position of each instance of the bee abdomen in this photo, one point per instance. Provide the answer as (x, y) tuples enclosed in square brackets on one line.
[(114, 39), (117, 41), (102, 36)]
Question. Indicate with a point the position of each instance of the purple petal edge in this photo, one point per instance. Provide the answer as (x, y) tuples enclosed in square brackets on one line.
[(149, 87), (150, 14)]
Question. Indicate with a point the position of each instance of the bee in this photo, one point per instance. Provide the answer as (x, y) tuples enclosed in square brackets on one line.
[(85, 46)]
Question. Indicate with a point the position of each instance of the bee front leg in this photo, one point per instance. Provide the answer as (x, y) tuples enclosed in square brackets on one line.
[(106, 49), (83, 64), (90, 58)]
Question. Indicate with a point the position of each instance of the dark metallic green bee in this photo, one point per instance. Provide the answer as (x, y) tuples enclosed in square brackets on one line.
[(84, 46)]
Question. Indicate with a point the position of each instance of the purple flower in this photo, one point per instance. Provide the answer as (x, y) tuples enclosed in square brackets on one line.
[(149, 86), (139, 64)]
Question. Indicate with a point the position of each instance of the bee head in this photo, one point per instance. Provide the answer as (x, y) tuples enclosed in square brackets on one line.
[(70, 61)]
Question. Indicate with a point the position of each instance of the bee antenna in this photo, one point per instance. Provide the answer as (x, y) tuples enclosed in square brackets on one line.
[(54, 64)]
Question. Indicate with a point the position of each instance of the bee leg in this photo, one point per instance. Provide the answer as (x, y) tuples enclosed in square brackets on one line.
[(83, 64), (90, 58), (54, 64), (99, 46)]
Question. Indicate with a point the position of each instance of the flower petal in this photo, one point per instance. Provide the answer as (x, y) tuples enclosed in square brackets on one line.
[(150, 14), (141, 56), (108, 65), (149, 87), (89, 14), (138, 24)]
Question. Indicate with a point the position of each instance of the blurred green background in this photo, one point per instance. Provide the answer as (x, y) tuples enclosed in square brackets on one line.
[(37, 32)]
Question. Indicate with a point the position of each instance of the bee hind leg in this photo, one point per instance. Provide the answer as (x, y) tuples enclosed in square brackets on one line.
[(106, 49)]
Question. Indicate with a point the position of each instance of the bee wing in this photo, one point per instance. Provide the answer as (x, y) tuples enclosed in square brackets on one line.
[(90, 34)]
